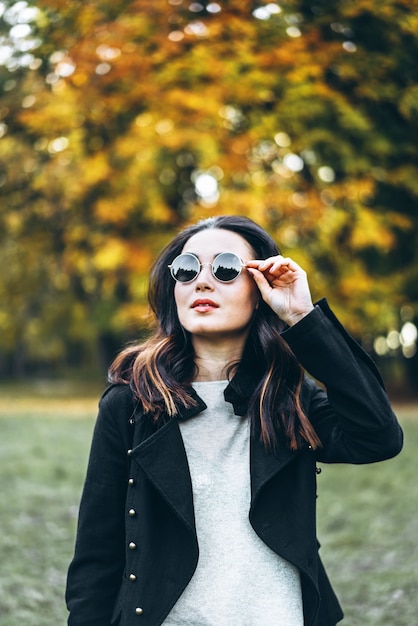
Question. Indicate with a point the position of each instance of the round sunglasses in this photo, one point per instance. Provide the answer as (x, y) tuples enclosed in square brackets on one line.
[(226, 267)]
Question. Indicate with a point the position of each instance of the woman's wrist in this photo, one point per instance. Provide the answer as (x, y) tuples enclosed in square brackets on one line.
[(293, 318)]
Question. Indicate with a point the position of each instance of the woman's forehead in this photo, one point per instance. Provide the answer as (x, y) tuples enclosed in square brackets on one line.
[(215, 240)]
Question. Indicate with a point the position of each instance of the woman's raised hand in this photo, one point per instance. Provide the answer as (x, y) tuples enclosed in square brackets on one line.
[(283, 285)]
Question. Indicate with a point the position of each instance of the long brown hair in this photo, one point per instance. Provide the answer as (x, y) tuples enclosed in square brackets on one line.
[(161, 369)]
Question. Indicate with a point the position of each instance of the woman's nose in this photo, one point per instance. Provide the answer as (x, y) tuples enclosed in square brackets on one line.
[(205, 277)]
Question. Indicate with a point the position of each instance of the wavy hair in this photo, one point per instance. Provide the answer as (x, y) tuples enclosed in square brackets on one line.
[(161, 369)]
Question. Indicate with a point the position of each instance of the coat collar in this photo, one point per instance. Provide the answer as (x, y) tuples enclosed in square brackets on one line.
[(238, 392)]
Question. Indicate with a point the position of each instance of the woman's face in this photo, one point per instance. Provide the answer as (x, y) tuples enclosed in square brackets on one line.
[(208, 308)]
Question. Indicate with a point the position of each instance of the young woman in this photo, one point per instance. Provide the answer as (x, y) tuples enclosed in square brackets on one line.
[(198, 507)]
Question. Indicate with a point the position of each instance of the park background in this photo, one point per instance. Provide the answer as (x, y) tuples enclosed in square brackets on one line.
[(122, 122)]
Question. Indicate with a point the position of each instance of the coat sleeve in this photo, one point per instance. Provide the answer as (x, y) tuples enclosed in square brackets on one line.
[(95, 573), (352, 415)]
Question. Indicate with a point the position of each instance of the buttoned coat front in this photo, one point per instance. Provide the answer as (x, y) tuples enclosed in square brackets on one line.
[(137, 547)]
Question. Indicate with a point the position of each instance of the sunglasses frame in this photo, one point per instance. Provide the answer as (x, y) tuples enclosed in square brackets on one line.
[(185, 282)]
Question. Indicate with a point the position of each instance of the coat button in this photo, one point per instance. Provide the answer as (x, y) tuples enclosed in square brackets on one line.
[(132, 512), (132, 546), (132, 577), (131, 482), (138, 610), (129, 452)]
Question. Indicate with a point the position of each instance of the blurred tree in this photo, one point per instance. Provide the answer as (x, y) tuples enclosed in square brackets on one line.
[(123, 121)]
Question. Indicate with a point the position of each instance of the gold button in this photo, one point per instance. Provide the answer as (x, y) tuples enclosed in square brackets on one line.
[(132, 512), (132, 577), (138, 610), (131, 482), (132, 546)]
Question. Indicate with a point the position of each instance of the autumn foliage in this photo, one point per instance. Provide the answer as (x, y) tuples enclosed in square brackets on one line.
[(126, 120)]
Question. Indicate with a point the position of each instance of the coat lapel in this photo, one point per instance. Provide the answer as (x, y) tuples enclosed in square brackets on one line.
[(163, 459), (265, 464)]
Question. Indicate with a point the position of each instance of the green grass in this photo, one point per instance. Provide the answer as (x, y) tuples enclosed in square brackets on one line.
[(44, 443), (368, 525), (368, 522)]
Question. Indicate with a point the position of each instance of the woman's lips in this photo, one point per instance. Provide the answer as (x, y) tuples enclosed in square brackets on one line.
[(203, 305)]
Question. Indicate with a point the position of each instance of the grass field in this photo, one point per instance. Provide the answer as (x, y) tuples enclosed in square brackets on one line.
[(368, 516)]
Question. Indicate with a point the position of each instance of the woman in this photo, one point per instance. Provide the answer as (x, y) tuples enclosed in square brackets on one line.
[(199, 502)]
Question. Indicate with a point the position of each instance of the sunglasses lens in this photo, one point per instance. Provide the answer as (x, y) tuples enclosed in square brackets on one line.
[(226, 267), (185, 268)]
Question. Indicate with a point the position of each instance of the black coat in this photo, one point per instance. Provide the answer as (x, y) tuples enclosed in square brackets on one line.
[(137, 548)]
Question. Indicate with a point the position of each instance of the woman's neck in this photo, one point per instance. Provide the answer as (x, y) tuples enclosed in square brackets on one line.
[(210, 369), (213, 361)]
